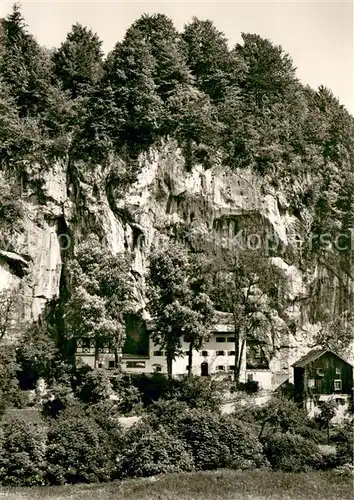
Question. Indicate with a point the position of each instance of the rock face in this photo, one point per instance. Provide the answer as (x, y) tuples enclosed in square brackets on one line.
[(217, 202)]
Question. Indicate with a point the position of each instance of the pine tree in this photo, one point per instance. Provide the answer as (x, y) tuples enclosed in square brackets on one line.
[(270, 72), (208, 57), (165, 46), (24, 66), (78, 61), (130, 69)]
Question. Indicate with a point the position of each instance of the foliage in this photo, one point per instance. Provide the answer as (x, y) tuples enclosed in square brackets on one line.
[(77, 451), (59, 398), (95, 387), (9, 389), (10, 313), (219, 441), (281, 415), (149, 452), (337, 335), (101, 293), (24, 66), (199, 392), (38, 356), (270, 71), (208, 57), (248, 284), (22, 458), (78, 62), (178, 301), (129, 72), (291, 453)]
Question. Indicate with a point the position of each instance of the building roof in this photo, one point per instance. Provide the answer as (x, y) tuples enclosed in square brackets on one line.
[(315, 354)]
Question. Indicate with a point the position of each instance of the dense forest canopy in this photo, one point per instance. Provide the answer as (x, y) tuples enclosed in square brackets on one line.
[(242, 104)]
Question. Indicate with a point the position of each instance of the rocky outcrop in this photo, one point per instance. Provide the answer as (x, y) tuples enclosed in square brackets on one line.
[(217, 202)]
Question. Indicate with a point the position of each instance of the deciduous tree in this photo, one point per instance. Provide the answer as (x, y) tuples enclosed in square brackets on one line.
[(178, 303)]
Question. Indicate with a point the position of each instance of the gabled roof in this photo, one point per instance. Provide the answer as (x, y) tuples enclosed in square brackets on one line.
[(315, 354)]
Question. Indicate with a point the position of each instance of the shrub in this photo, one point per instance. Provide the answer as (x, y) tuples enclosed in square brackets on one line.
[(96, 387), (78, 451), (251, 386), (166, 413), (151, 387), (22, 460), (345, 445), (281, 414), (149, 452), (219, 441), (245, 450), (201, 431), (200, 392), (57, 399), (291, 453), (129, 397)]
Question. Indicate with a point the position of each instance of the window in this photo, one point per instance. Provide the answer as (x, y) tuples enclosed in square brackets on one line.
[(231, 368), (158, 353), (320, 372), (338, 371), (135, 364), (100, 365), (205, 353), (86, 343), (157, 368), (311, 383), (231, 339), (221, 368), (220, 339), (232, 353), (338, 385), (111, 364), (220, 353)]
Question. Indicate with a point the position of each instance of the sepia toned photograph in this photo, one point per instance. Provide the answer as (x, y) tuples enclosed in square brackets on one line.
[(176, 250)]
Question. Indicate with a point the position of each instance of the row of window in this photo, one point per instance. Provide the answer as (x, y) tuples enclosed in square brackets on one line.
[(204, 353), (220, 340), (320, 372), (337, 384)]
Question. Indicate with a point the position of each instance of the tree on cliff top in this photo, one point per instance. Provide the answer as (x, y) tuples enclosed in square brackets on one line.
[(24, 65), (78, 61), (178, 302)]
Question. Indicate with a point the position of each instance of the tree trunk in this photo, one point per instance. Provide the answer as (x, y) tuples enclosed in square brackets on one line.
[(237, 354), (240, 359), (169, 366), (96, 355), (190, 358)]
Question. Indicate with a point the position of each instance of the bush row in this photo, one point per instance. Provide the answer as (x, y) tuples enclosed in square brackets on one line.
[(88, 444)]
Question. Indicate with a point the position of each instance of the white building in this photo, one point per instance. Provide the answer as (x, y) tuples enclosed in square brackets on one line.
[(217, 357)]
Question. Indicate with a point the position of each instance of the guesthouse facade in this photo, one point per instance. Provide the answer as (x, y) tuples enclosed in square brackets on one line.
[(217, 357)]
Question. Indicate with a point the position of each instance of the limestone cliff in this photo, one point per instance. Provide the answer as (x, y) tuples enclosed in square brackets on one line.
[(217, 202)]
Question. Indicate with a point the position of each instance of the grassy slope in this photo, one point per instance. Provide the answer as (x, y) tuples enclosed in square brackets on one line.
[(220, 485)]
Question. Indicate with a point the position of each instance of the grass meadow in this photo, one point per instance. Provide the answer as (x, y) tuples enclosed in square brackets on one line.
[(213, 485)]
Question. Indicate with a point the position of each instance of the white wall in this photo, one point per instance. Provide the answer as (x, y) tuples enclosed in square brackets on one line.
[(264, 377)]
